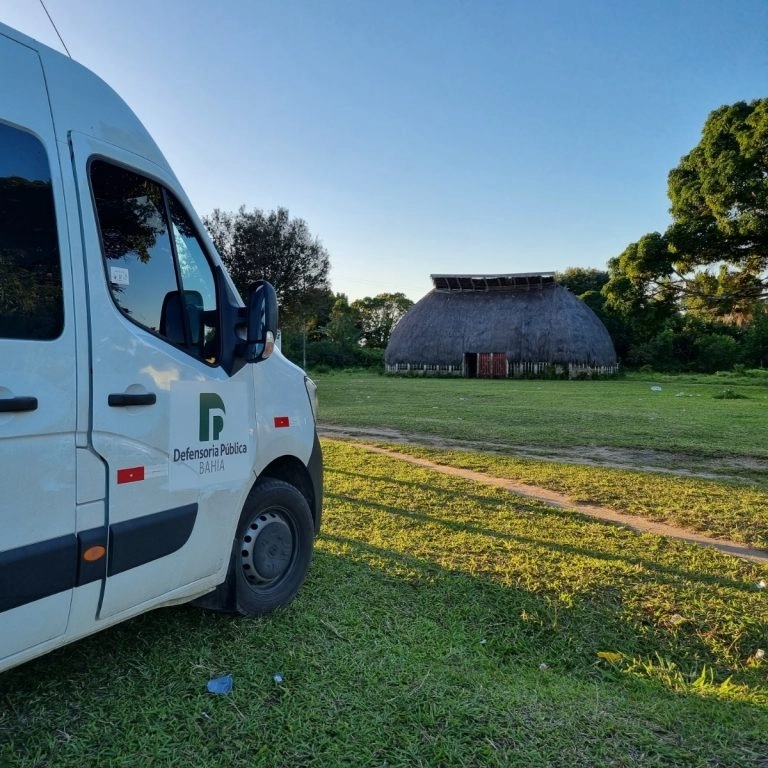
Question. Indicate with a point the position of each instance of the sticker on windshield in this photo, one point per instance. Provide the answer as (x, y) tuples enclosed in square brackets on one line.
[(119, 276), (211, 438)]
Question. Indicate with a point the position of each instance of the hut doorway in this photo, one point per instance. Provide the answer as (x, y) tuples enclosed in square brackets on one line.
[(485, 365)]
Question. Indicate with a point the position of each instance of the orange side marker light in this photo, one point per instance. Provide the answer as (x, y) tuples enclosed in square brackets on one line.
[(92, 554)]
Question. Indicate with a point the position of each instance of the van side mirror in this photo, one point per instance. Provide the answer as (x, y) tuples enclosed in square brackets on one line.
[(261, 321)]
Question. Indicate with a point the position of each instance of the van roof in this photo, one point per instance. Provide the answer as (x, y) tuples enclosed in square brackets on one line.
[(81, 101)]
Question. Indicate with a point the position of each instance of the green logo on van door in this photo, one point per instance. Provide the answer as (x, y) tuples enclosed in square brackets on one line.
[(210, 401)]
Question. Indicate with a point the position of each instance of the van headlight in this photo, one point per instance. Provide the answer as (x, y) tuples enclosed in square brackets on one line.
[(312, 394)]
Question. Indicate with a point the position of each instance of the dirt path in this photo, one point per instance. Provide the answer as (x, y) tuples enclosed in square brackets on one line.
[(664, 462), (634, 522)]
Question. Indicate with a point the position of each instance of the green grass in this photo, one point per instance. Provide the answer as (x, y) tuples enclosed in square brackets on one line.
[(719, 509), (444, 623), (686, 416)]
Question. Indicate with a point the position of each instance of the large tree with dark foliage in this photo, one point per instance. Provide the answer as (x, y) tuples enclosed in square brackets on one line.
[(713, 258), (272, 246)]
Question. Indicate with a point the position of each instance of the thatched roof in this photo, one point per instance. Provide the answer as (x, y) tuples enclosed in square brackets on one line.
[(531, 320)]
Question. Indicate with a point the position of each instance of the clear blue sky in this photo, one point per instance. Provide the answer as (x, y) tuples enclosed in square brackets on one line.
[(430, 136)]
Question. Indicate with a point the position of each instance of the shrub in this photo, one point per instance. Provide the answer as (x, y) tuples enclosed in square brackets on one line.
[(717, 352)]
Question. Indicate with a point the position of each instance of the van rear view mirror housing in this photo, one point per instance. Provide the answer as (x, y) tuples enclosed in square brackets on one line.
[(247, 333), (262, 320)]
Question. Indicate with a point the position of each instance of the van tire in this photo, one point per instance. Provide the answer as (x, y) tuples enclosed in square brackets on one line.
[(273, 547)]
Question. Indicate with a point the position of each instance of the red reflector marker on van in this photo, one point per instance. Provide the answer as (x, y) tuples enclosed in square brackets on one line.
[(131, 475), (282, 421)]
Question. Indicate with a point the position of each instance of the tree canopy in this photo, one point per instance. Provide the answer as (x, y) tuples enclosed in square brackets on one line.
[(343, 326), (272, 246), (580, 280), (379, 315), (713, 258)]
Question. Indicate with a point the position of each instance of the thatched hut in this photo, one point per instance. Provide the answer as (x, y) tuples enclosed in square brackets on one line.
[(499, 326)]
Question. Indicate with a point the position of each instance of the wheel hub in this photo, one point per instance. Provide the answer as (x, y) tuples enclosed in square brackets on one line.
[(266, 548)]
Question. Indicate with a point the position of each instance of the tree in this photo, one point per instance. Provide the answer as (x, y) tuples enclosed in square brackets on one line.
[(580, 280), (379, 315), (343, 327), (756, 338), (306, 325), (717, 352), (719, 195), (713, 258), (639, 288), (272, 246)]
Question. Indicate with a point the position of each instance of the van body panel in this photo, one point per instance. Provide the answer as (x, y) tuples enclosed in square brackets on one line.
[(31, 627)]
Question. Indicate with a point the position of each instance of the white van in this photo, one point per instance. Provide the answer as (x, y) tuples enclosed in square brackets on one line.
[(154, 447)]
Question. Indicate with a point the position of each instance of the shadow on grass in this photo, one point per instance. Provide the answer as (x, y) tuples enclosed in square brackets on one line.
[(667, 573), (571, 632), (388, 658), (391, 658)]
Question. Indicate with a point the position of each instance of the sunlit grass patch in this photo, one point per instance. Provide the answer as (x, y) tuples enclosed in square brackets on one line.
[(663, 590), (726, 510)]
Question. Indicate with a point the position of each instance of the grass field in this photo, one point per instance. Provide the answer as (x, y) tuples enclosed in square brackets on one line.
[(720, 509), (449, 623), (689, 415), (443, 624)]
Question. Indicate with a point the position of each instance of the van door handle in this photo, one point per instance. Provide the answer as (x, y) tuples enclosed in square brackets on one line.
[(121, 400), (16, 404)]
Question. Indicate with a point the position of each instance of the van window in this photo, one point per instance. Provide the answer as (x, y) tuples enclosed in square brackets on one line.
[(156, 267), (31, 300), (195, 272)]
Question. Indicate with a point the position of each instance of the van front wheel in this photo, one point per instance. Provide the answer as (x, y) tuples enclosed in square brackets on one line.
[(273, 547)]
